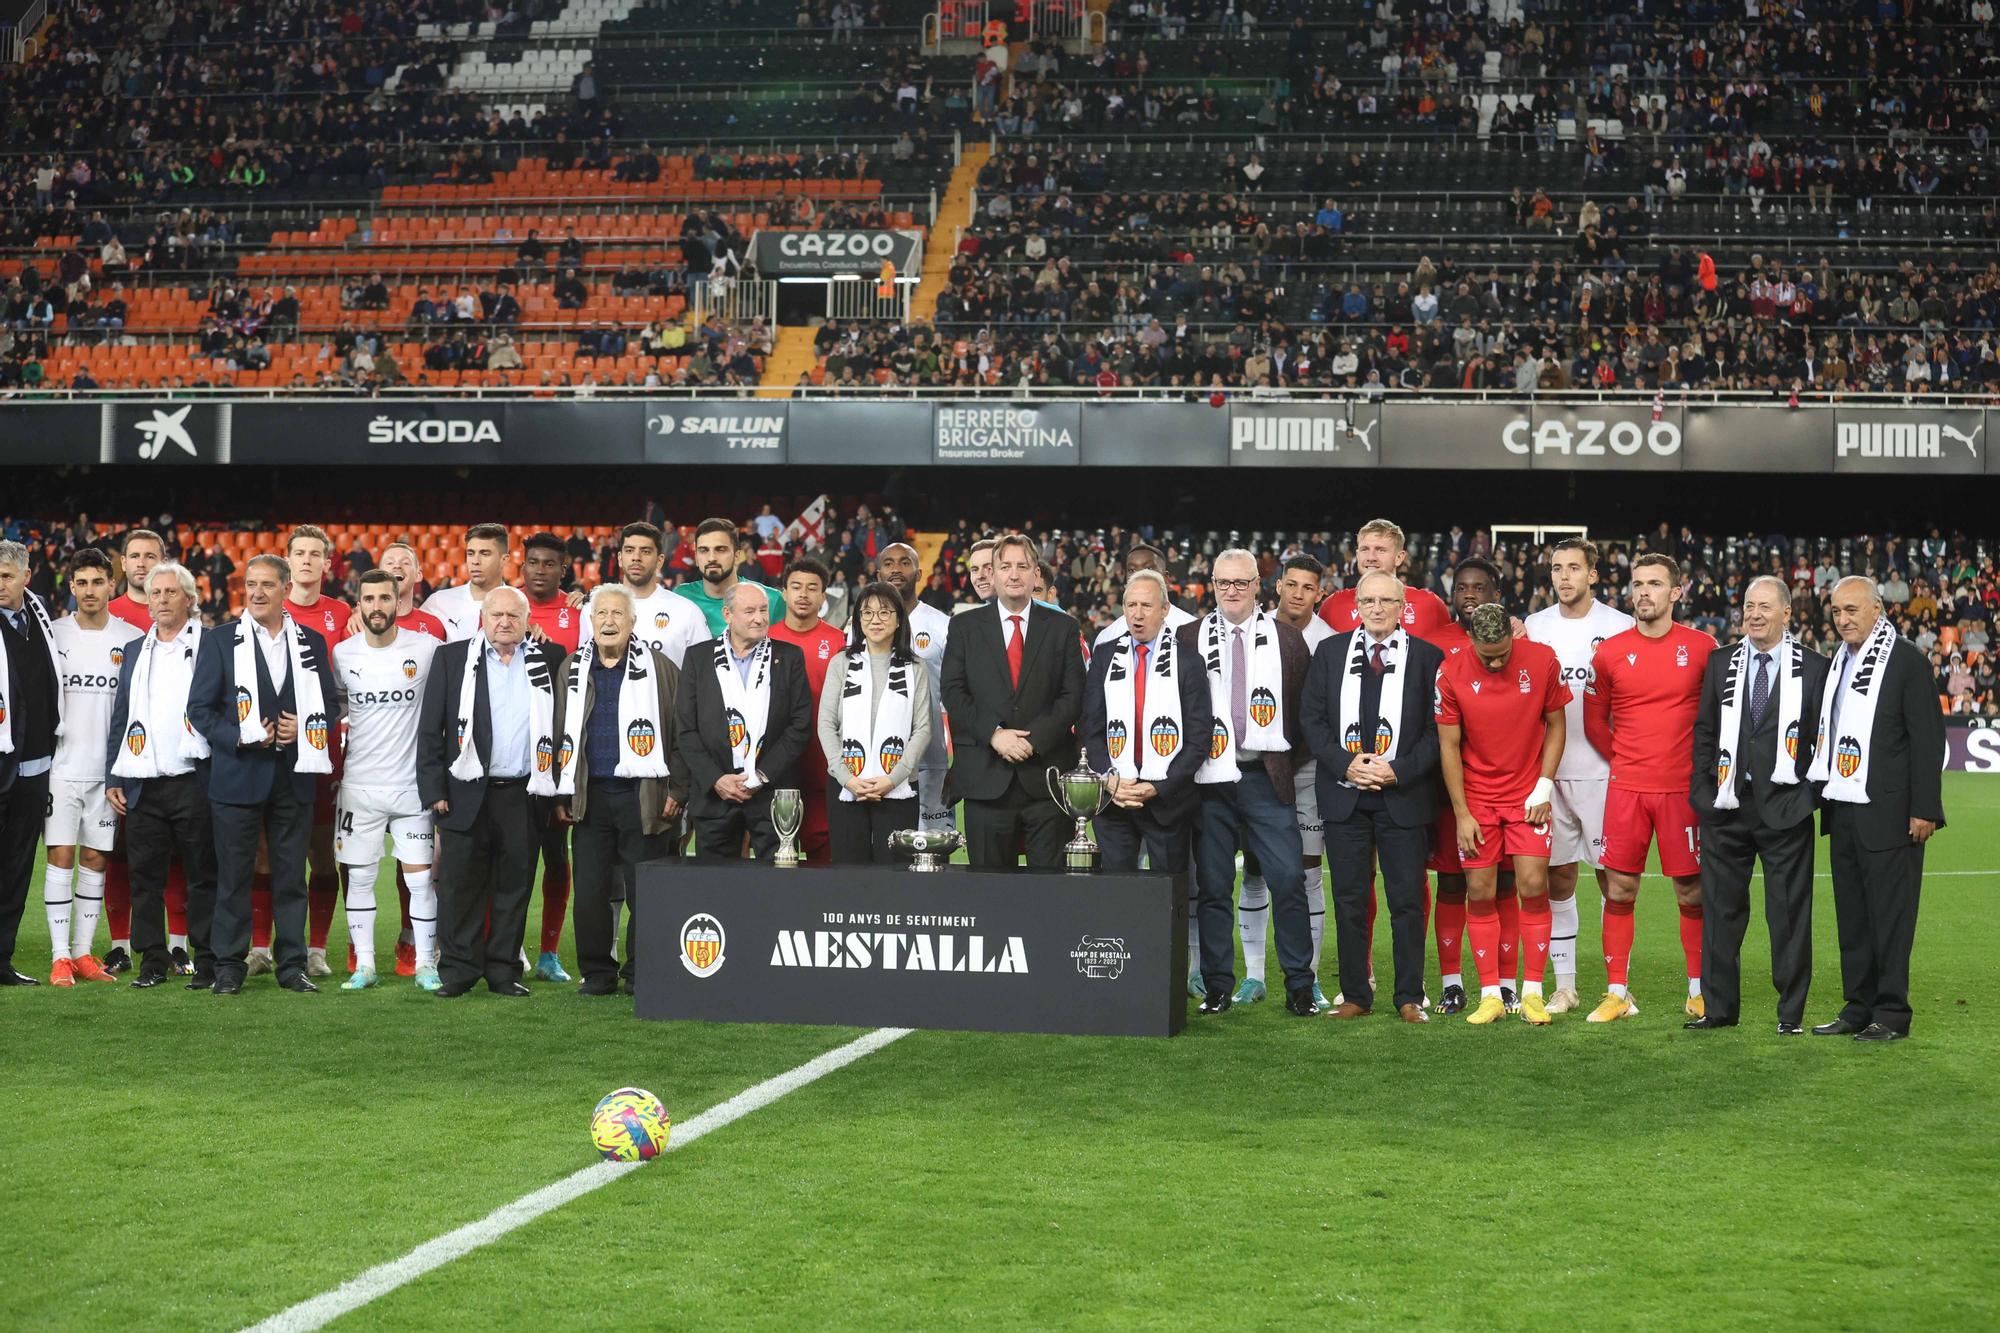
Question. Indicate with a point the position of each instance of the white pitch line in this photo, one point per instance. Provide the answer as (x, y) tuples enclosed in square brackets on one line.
[(379, 1281)]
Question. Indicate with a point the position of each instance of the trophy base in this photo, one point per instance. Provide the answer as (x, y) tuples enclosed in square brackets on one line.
[(786, 860), (1080, 858), (927, 862)]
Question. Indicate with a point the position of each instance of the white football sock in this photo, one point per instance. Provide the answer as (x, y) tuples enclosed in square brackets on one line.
[(1316, 906), (1489, 992), (1618, 989), (56, 901), (1533, 988), (88, 908), (1253, 923), (423, 915), (1694, 987), (361, 913), (1454, 979), (177, 942), (1562, 942)]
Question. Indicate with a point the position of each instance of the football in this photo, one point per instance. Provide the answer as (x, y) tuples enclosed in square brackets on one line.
[(629, 1125)]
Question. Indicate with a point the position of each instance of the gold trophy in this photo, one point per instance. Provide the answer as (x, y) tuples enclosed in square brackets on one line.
[(788, 807), (1082, 794)]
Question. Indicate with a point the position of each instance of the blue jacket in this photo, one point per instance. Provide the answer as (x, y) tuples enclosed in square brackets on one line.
[(238, 774)]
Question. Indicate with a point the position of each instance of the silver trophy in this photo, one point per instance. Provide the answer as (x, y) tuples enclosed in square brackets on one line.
[(928, 849), (788, 807), (1082, 794)]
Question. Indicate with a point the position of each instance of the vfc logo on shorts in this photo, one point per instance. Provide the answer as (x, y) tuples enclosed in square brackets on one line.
[(1166, 736), (1218, 741), (738, 729), (1723, 761), (409, 668), (316, 731), (1114, 738), (639, 736), (853, 757), (892, 751), (1792, 741), (1263, 706), (1847, 756), (242, 705), (702, 942), (545, 754), (135, 738)]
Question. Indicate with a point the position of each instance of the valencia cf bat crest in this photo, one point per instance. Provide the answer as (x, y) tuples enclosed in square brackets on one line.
[(1847, 756), (1263, 706), (1792, 741), (242, 705), (738, 729), (892, 751), (1114, 738), (545, 754), (853, 757), (316, 731), (1218, 740), (1723, 760), (1166, 737), (135, 738), (409, 668), (640, 737)]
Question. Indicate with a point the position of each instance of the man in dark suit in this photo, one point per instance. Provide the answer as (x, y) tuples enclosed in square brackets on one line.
[(488, 823), (1377, 786), (732, 758), (1882, 801), (1247, 788), (158, 786), (620, 822), (1757, 715), (1013, 688), (255, 790), (33, 704), (1149, 815)]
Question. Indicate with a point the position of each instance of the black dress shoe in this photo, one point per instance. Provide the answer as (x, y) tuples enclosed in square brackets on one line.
[(1707, 1021), (148, 978), (9, 977), (513, 990), (224, 986), (1839, 1027), (597, 986), (1216, 1002), (1790, 1030), (1300, 1001), (1880, 1032), (299, 985), (451, 992), (117, 961)]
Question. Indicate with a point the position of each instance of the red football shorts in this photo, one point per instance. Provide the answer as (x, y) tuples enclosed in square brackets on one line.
[(1503, 833), (1633, 819), (1444, 844), (326, 789)]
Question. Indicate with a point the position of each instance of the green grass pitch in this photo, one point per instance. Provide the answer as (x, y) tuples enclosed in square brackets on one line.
[(177, 1161)]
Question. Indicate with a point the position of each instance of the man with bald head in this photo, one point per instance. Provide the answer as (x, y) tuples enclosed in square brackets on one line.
[(485, 768), (742, 716), (930, 631), (1753, 742), (1881, 738)]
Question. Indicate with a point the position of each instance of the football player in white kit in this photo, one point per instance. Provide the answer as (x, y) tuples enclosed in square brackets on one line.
[(81, 825), (1298, 604), (1573, 627), (485, 570), (667, 622), (929, 628), (380, 673)]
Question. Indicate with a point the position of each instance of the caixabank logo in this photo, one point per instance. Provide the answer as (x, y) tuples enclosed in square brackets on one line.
[(158, 434)]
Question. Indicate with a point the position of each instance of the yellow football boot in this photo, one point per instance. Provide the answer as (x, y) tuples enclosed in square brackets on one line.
[(1491, 1010), (1612, 1008)]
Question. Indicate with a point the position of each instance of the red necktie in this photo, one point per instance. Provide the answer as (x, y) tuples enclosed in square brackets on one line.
[(1139, 689), (1376, 664), (1014, 652)]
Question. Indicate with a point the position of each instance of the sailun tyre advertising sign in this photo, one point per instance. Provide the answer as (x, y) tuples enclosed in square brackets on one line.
[(874, 946), (751, 431)]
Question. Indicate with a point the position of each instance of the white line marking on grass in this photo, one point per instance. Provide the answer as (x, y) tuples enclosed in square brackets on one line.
[(379, 1281)]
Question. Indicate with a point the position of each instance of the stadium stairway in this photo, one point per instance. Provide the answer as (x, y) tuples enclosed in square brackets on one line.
[(954, 215), (792, 355)]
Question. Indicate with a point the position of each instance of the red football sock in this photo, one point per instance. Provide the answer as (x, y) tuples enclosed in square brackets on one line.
[(260, 910), (403, 895), (1535, 925), (1483, 925), (555, 905), (1509, 911), (1691, 939), (322, 896), (118, 897), (1451, 934), (177, 899), (1617, 942)]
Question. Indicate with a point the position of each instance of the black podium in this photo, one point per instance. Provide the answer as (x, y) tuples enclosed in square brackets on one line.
[(881, 946)]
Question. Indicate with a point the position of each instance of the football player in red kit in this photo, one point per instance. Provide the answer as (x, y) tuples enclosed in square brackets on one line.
[(804, 587), (1379, 549), (1640, 709), (1500, 739)]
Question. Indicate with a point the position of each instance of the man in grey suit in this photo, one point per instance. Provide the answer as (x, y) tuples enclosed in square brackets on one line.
[(1759, 708)]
